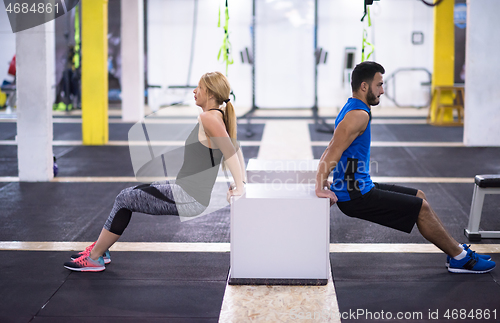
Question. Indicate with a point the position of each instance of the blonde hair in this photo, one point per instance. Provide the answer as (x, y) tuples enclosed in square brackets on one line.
[(217, 85)]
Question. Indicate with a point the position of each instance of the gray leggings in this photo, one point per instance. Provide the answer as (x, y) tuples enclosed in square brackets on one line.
[(155, 199)]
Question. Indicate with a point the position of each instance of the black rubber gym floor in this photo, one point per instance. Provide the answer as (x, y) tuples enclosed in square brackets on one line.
[(77, 212), (430, 161), (136, 287), (402, 132), (103, 160), (189, 287), (382, 287)]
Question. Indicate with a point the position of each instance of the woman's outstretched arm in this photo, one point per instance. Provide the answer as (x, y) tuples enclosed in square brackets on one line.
[(219, 138)]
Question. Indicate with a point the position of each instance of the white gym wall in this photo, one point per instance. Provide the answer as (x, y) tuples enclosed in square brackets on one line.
[(482, 98), (169, 44), (393, 22), (170, 24)]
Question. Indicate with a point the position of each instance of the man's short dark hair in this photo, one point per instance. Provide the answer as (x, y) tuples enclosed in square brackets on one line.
[(364, 72)]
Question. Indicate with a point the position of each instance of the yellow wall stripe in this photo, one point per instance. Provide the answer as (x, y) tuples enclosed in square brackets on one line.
[(444, 55), (94, 72)]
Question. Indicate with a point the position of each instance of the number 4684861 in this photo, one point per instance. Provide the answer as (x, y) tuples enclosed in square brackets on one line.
[(478, 314), (34, 8)]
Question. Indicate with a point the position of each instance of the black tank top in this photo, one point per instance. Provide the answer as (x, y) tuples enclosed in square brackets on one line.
[(200, 167)]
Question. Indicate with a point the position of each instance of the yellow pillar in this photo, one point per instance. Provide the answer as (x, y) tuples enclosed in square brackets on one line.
[(444, 55), (94, 72)]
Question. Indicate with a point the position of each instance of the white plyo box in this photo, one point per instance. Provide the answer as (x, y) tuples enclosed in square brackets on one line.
[(285, 171), (280, 232)]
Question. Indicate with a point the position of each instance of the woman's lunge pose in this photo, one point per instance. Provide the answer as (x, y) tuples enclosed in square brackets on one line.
[(213, 137)]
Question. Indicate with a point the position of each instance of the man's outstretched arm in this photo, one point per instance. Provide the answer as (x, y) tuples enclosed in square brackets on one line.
[(353, 125)]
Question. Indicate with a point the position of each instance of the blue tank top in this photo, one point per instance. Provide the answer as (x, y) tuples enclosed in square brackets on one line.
[(351, 177)]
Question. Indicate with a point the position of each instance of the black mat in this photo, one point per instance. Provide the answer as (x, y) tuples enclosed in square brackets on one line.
[(27, 281), (94, 161), (135, 287), (119, 131), (451, 202), (107, 161), (174, 266), (2, 184), (78, 211), (386, 161), (403, 132), (256, 129), (8, 130), (143, 298), (250, 152), (53, 211), (448, 161), (431, 161), (8, 160), (410, 284)]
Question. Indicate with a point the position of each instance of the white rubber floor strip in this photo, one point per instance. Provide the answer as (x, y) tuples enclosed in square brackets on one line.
[(224, 247), (119, 246), (8, 142), (9, 179), (286, 140)]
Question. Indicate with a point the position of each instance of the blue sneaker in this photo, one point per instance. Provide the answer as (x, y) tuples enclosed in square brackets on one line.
[(472, 263), (85, 263), (465, 247)]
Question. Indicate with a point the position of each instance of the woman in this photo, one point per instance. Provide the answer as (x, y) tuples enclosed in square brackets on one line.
[(210, 140)]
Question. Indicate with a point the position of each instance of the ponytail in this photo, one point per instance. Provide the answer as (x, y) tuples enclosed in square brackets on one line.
[(230, 120)]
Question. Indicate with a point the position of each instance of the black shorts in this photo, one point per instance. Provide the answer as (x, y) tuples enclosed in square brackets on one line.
[(392, 206)]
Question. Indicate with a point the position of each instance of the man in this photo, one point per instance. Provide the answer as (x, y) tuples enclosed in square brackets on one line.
[(400, 208)]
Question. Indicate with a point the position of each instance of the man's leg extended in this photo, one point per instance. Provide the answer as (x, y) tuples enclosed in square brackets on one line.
[(465, 261), (432, 229), (401, 208)]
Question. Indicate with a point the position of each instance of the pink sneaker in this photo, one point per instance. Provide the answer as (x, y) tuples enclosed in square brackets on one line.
[(85, 263), (106, 256)]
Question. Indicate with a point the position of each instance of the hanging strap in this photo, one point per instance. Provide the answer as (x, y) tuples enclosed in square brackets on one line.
[(225, 49), (365, 40), (76, 56)]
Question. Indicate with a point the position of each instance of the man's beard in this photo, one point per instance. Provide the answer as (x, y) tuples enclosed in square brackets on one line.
[(371, 98)]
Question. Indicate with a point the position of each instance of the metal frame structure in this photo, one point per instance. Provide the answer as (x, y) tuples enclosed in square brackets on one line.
[(320, 123), (408, 69)]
